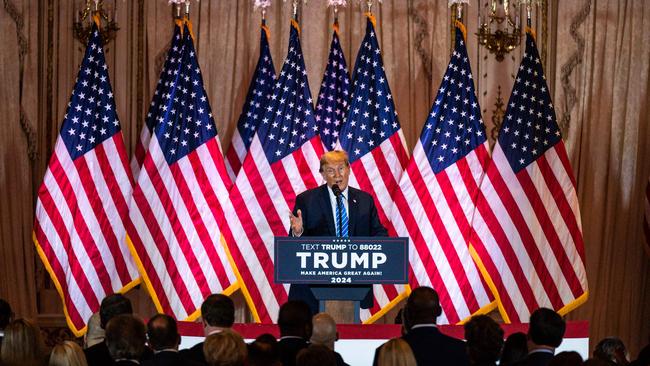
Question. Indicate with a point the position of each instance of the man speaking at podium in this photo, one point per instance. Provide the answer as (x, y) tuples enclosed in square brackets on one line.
[(333, 209)]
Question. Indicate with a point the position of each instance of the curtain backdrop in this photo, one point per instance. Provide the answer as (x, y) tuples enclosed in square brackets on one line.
[(597, 61)]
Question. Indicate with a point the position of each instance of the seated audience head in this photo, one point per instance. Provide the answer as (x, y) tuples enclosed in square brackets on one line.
[(22, 344), (422, 307), (566, 358), (94, 331), (263, 351), (226, 348), (316, 355), (484, 340), (162, 332), (611, 349), (514, 349), (295, 319), (324, 330), (67, 353), (217, 312), (5, 314), (546, 329), (396, 352), (112, 306), (125, 337)]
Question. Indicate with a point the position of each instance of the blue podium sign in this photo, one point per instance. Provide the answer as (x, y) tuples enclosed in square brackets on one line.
[(344, 261)]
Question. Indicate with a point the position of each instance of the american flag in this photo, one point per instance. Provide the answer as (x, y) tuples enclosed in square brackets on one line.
[(438, 191), (254, 107), (373, 138), (334, 94), (177, 207), (528, 232), (282, 162), (156, 113), (81, 210)]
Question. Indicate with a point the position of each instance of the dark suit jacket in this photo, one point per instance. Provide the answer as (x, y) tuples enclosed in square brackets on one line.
[(168, 358), (430, 347), (535, 359), (98, 355), (289, 348), (194, 354), (318, 220), (339, 360)]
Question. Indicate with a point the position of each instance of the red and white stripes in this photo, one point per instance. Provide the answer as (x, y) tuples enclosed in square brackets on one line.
[(435, 212), (260, 202), (177, 216), (529, 235), (79, 226)]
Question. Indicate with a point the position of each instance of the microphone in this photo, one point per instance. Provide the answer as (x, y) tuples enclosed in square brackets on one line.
[(336, 190)]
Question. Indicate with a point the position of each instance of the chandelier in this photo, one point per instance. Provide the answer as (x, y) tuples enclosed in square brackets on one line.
[(498, 30)]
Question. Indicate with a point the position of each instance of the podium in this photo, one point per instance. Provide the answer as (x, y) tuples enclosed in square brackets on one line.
[(338, 268), (343, 303)]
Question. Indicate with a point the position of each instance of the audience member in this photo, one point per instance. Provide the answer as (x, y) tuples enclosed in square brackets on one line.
[(429, 345), (225, 348), (316, 355), (162, 333), (396, 352), (515, 349), (484, 340), (566, 358), (5, 317), (643, 359), (125, 339), (545, 333), (22, 345), (67, 353), (295, 326), (263, 351), (612, 350), (112, 306), (94, 331), (595, 362), (324, 333), (217, 314)]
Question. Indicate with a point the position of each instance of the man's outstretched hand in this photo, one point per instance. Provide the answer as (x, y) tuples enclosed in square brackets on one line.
[(296, 223)]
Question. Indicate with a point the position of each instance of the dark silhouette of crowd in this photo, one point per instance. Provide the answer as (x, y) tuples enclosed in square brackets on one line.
[(116, 337)]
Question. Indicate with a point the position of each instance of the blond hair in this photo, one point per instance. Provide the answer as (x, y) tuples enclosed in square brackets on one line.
[(67, 353), (334, 156), (396, 352), (22, 344), (226, 348)]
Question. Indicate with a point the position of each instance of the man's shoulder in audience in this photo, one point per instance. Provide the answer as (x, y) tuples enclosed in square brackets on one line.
[(429, 344), (194, 354)]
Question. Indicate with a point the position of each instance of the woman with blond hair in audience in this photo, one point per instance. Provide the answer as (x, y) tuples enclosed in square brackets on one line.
[(67, 353), (396, 352), (226, 348), (22, 345)]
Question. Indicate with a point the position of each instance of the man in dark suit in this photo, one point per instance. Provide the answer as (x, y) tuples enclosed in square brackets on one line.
[(111, 306), (429, 345), (162, 333), (545, 333), (318, 211), (295, 323), (217, 314), (125, 339)]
